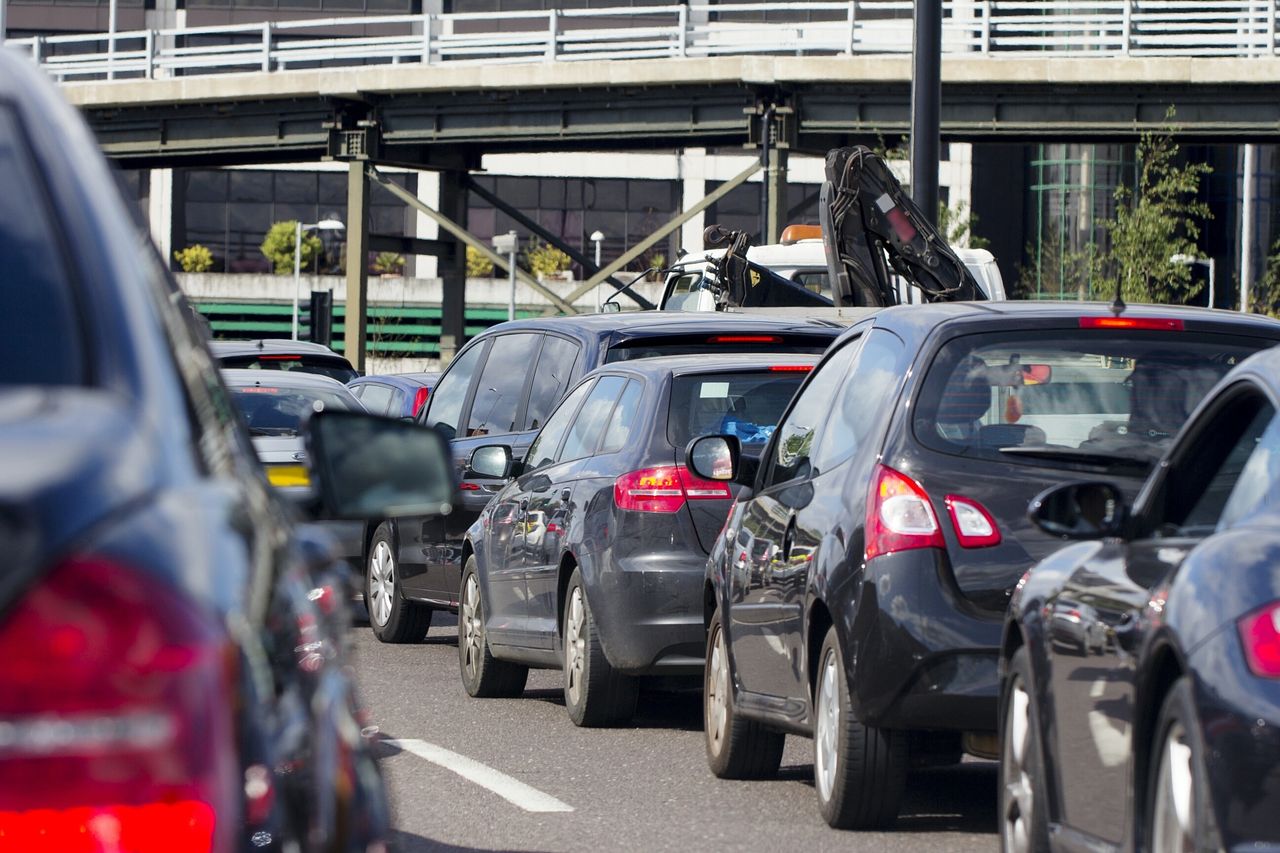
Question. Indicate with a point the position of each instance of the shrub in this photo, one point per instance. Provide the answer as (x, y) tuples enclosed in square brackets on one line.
[(277, 246), (388, 263), (194, 258), (545, 259), (478, 265)]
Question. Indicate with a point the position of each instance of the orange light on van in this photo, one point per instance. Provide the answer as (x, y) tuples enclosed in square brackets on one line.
[(795, 233)]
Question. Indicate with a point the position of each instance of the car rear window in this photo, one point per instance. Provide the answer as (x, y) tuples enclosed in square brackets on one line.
[(40, 333), (337, 369), (719, 342), (1085, 397), (280, 411), (746, 404)]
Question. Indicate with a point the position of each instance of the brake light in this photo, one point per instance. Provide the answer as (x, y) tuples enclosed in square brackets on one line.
[(115, 717), (791, 368), (420, 399), (1148, 323), (974, 526), (744, 339), (1260, 633), (279, 358), (665, 489), (899, 517)]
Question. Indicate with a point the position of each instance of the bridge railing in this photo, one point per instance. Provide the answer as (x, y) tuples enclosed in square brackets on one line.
[(1191, 28)]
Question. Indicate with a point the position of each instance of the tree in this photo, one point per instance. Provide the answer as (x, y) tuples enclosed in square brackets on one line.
[(1056, 271), (277, 246), (1156, 219), (957, 224), (1266, 290)]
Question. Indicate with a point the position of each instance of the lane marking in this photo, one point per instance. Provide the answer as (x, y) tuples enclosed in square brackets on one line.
[(510, 789)]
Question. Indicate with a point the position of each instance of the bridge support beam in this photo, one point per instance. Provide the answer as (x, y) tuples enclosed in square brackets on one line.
[(775, 180), (355, 332), (453, 269)]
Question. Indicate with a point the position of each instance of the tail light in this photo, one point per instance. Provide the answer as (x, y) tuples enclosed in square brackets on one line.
[(114, 717), (791, 368), (899, 517), (1260, 633), (744, 339), (665, 489), (420, 399), (975, 528), (1148, 323)]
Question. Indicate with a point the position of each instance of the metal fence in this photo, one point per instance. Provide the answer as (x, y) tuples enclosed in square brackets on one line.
[(1191, 28)]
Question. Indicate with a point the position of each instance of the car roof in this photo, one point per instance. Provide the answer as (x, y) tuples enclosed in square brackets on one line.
[(270, 345), (243, 377), (645, 323), (682, 365), (400, 380)]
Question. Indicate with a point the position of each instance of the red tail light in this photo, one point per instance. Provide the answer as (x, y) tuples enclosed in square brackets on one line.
[(1260, 633), (664, 489), (974, 526), (791, 368), (744, 339), (1131, 323), (279, 358), (419, 399), (899, 516), (115, 717)]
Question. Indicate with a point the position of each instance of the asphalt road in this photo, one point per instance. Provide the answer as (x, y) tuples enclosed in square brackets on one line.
[(642, 787)]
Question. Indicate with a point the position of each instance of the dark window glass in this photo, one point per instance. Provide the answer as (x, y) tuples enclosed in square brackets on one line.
[(587, 428), (543, 450), (651, 348), (376, 398), (206, 185), (40, 336), (795, 440), (866, 397), (622, 424), (496, 409), (280, 411), (335, 368), (333, 189), (1258, 485), (445, 403), (250, 186), (1208, 509), (550, 378), (746, 405), (295, 187)]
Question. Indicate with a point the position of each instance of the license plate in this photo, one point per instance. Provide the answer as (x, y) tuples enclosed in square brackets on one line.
[(288, 475)]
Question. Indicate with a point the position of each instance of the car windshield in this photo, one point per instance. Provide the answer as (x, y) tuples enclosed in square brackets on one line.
[(334, 368), (280, 411), (654, 347), (1093, 397), (746, 405)]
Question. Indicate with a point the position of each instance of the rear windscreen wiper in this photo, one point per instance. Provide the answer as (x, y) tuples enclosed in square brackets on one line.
[(1076, 454)]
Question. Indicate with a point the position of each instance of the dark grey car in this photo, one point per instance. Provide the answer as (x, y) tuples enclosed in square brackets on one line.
[(592, 559)]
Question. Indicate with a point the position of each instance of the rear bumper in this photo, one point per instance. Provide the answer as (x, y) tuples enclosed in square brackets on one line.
[(648, 610)]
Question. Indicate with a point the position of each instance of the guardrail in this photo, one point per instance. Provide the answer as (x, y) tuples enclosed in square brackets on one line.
[(1238, 28)]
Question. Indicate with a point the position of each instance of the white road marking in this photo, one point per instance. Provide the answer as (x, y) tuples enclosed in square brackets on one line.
[(512, 790)]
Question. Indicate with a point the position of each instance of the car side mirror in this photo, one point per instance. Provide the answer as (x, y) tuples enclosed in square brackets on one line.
[(365, 466), (720, 458), (610, 308), (492, 460), (1088, 510)]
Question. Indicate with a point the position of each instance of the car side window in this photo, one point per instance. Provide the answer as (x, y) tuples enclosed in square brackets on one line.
[(550, 378), (376, 397), (623, 421), (1259, 483), (497, 406), (544, 449), (589, 425), (793, 443), (444, 408), (863, 400)]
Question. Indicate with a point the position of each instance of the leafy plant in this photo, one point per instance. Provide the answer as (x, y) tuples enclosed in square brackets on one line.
[(545, 259), (194, 258), (1056, 271), (478, 265), (277, 247), (957, 224), (388, 263), (1266, 290)]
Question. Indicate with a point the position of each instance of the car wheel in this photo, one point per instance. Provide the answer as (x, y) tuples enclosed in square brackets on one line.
[(595, 694), (859, 770), (1023, 821), (393, 619), (736, 748), (483, 675), (1180, 815)]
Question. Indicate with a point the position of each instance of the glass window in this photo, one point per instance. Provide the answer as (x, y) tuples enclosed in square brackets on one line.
[(376, 398), (550, 378), (445, 406), (496, 409), (543, 450), (623, 422), (746, 405), (40, 335), (335, 368), (866, 397), (1259, 482), (794, 442), (587, 428), (280, 411)]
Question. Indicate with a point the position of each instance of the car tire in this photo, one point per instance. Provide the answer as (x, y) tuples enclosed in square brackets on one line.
[(393, 619), (483, 675), (736, 748), (595, 694), (1024, 825), (1179, 813), (859, 770)]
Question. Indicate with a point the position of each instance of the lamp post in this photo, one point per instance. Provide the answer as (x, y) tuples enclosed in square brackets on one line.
[(322, 225), (1192, 260), (597, 237), (506, 244)]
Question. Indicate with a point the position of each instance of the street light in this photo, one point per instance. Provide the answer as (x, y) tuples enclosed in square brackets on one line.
[(597, 237), (507, 244), (322, 225), (1192, 260)]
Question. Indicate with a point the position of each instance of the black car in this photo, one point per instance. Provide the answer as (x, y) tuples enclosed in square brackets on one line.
[(592, 560), (276, 354), (500, 388), (858, 593), (1165, 735), (171, 646)]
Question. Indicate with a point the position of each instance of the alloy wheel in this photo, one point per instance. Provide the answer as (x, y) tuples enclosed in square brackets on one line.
[(716, 701), (575, 645), (1173, 824), (1019, 795), (382, 570), (827, 730), (472, 627)]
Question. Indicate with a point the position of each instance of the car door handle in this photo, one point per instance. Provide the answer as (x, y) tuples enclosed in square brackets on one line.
[(524, 504), (565, 493)]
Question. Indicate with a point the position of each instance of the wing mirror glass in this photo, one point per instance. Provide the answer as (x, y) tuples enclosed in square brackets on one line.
[(365, 466), (1089, 510), (492, 460), (714, 457)]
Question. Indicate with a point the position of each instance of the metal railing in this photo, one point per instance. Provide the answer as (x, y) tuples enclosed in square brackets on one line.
[(1190, 28)]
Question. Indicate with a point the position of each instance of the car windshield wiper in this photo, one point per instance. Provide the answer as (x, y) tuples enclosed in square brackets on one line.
[(1076, 454), (273, 431)]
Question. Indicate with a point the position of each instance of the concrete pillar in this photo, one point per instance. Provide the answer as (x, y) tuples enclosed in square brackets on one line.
[(776, 205), (693, 181), (426, 266), (166, 14), (355, 332), (452, 271), (160, 211)]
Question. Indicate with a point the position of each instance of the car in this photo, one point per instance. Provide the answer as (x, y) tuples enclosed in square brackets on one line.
[(172, 667), (501, 387), (592, 559), (1164, 738), (396, 395), (276, 354), (857, 595)]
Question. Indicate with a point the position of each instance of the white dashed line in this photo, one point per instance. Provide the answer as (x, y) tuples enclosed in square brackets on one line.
[(512, 790)]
